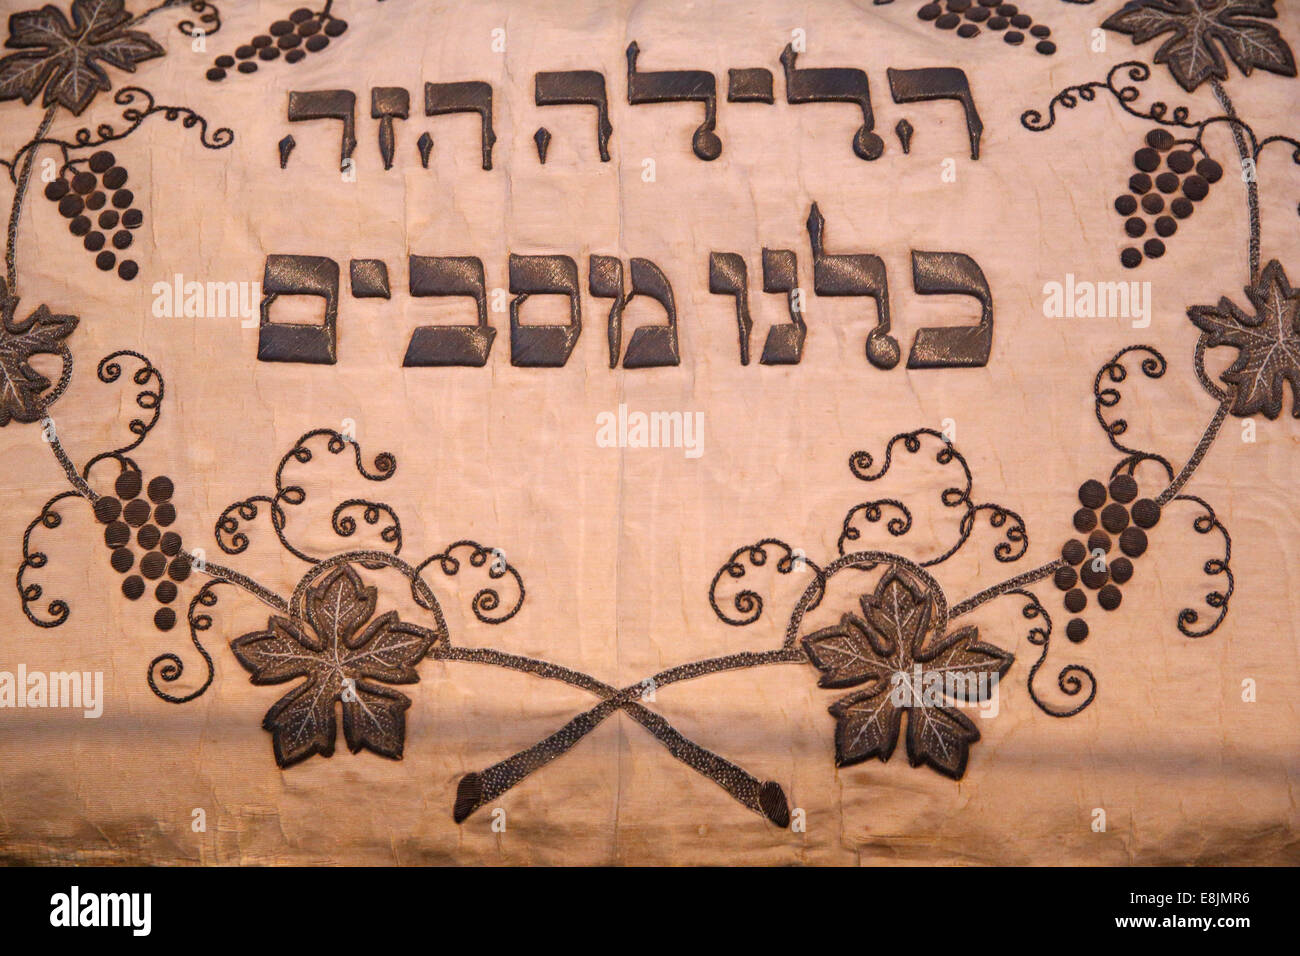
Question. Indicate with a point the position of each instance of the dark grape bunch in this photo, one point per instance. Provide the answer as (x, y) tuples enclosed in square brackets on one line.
[(1128, 521), (1162, 171), (1004, 18), (143, 519), (100, 209), (304, 32)]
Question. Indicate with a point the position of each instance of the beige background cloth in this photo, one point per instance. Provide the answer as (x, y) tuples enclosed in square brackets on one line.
[(617, 547)]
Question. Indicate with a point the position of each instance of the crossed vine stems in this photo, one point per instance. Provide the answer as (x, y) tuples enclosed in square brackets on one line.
[(477, 788)]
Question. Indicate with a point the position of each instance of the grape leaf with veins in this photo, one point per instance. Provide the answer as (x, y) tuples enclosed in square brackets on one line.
[(1200, 28), (22, 388), (1267, 343), (340, 662), (882, 650)]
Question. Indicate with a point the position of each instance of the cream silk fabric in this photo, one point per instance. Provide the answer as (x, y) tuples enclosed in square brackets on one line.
[(617, 547)]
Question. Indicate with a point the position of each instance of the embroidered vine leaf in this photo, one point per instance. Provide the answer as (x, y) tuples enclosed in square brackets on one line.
[(64, 58), (1267, 343), (892, 653), (339, 659), (22, 388), (1199, 28)]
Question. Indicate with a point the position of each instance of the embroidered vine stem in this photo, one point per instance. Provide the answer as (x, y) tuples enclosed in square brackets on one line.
[(1010, 584), (15, 213), (1252, 184)]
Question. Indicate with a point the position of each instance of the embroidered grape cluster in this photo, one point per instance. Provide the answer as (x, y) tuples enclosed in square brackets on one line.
[(1004, 18), (304, 32), (1087, 564), (1162, 171), (144, 518), (96, 203)]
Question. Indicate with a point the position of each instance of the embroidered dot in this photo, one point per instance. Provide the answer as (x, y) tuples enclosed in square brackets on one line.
[(83, 182), (1040, 31), (1181, 207), (1180, 161), (164, 514), (165, 592), (1076, 630), (109, 218), (930, 11), (293, 56), (997, 23), (121, 559), (132, 218), (79, 226), (128, 270), (248, 66), (71, 205), (280, 27), (1098, 541), (261, 40), (288, 42), (56, 190), (105, 260), (968, 30), (136, 512), (1109, 597), (1146, 513), (245, 52), (1007, 9), (1153, 203), (94, 241), (1166, 226), (1139, 183), (117, 534), (1135, 226), (1209, 170), (123, 198), (1092, 494), (1022, 21), (308, 28), (133, 587), (122, 239), (1092, 577), (1075, 601), (128, 484), (170, 544), (165, 619), (977, 15), (1065, 578), (1014, 37), (148, 537), (1045, 47), (1114, 518), (225, 61), (1167, 182), (1154, 248), (115, 178), (337, 27), (96, 200), (1085, 520), (268, 53), (319, 42), (107, 509), (215, 74), (959, 6), (161, 489), (152, 565), (1073, 551), (1121, 569), (946, 22), (1195, 188), (1125, 205), (1160, 139), (1123, 488), (1133, 542), (1146, 159), (179, 569), (1130, 258)]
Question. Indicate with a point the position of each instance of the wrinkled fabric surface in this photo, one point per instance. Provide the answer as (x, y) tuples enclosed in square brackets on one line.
[(617, 547)]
